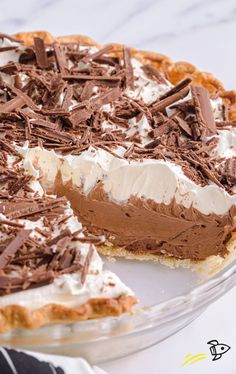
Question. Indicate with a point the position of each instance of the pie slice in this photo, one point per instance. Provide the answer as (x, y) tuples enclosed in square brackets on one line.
[(49, 270)]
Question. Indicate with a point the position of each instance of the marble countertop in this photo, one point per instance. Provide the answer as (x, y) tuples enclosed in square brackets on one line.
[(197, 31)]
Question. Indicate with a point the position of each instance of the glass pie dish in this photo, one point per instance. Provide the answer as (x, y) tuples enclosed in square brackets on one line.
[(169, 300)]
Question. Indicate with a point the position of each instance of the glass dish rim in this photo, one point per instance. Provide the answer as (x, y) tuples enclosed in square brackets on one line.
[(143, 318)]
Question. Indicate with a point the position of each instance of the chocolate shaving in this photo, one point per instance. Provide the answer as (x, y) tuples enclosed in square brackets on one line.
[(79, 116), (87, 262), (167, 101), (225, 112), (230, 170), (10, 223), (56, 239), (55, 136), (129, 74), (153, 144), (40, 53), (8, 48), (13, 104), (5, 145), (199, 163), (20, 183), (60, 58), (43, 123), (87, 90), (106, 98), (182, 84), (100, 52), (184, 126), (153, 73), (30, 209), (129, 151), (81, 77), (9, 68), (13, 247), (67, 98), (163, 129), (27, 100), (203, 109)]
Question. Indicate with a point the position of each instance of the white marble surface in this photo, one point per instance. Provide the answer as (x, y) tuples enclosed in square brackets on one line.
[(198, 31)]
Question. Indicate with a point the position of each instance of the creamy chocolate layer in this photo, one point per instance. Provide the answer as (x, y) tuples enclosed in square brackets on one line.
[(144, 225)]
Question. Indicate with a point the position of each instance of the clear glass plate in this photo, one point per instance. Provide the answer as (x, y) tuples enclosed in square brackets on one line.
[(169, 300)]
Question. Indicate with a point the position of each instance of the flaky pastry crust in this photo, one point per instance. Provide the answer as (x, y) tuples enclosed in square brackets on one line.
[(16, 316)]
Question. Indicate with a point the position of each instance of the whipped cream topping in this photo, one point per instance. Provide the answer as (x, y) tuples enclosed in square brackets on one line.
[(67, 290), (150, 179), (226, 146)]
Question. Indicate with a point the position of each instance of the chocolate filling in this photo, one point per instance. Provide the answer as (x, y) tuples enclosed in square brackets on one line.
[(143, 226)]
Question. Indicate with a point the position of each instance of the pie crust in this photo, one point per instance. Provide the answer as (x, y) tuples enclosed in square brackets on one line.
[(15, 316)]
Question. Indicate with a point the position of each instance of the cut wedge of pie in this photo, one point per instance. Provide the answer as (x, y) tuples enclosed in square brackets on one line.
[(137, 148), (49, 270)]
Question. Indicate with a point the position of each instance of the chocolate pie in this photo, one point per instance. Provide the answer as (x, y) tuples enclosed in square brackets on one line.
[(139, 149)]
